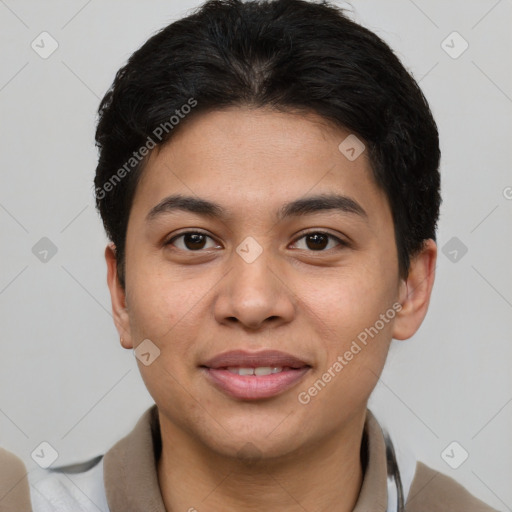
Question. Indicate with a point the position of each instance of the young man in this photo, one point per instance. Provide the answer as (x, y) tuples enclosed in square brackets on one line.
[(268, 177)]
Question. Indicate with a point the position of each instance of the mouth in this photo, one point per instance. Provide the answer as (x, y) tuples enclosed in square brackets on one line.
[(254, 376)]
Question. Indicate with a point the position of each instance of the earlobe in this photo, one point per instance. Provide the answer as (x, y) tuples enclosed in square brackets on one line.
[(118, 298), (415, 292)]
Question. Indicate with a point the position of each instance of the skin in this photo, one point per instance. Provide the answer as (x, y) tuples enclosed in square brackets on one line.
[(194, 304)]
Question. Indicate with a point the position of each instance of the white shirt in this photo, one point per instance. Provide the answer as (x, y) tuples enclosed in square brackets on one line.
[(68, 492)]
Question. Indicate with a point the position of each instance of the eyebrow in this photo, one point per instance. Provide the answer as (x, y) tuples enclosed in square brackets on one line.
[(304, 206)]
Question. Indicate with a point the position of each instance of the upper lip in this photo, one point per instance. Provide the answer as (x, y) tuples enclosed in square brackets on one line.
[(244, 359)]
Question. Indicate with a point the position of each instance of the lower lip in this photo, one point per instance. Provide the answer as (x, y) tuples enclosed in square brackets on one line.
[(252, 387)]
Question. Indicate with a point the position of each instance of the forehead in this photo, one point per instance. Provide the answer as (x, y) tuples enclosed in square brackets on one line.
[(257, 159)]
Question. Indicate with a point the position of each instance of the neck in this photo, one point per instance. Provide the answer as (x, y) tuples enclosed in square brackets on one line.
[(325, 476)]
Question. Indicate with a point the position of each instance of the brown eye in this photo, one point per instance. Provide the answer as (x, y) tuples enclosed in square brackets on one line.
[(191, 241), (319, 241)]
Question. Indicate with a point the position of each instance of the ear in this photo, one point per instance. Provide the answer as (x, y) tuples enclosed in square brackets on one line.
[(415, 291), (118, 298)]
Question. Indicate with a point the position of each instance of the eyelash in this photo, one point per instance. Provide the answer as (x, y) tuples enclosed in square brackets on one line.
[(341, 243)]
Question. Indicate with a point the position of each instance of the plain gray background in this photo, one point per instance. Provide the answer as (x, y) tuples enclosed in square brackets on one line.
[(65, 379)]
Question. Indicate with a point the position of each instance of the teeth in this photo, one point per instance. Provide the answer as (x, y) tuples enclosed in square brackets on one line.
[(261, 370)]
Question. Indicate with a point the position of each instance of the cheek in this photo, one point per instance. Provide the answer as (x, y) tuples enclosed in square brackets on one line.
[(353, 318), (351, 355), (159, 304), (347, 301), (165, 312)]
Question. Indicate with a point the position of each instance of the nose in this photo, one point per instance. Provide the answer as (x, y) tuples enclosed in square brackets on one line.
[(254, 295)]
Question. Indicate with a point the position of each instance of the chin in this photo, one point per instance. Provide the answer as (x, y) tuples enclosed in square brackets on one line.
[(252, 442)]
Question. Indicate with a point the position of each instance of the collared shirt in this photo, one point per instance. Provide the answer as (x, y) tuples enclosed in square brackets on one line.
[(125, 479)]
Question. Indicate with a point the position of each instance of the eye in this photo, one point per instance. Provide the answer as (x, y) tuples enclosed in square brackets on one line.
[(320, 241), (191, 241)]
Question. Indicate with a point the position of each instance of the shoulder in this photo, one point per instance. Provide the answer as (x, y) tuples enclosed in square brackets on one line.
[(431, 490), (14, 489), (77, 487)]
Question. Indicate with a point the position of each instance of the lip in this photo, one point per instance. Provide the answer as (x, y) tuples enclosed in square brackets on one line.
[(246, 359), (252, 387)]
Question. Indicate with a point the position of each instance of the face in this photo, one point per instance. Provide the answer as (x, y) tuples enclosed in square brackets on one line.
[(264, 265)]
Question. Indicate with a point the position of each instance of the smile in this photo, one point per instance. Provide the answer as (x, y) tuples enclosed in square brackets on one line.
[(261, 370), (254, 375)]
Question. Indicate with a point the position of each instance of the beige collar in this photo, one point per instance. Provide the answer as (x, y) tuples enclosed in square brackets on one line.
[(131, 479)]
